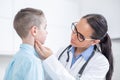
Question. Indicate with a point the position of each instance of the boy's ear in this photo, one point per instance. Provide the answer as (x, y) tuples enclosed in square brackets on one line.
[(95, 42), (34, 30)]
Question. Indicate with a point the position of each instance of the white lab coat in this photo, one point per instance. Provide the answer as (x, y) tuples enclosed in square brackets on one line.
[(96, 68)]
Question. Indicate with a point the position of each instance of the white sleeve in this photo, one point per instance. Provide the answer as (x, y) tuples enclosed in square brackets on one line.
[(56, 70)]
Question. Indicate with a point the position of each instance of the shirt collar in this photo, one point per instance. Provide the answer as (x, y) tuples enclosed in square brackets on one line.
[(85, 54), (29, 48)]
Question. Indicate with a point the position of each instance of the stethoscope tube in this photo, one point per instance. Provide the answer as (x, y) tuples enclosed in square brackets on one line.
[(67, 48), (67, 60)]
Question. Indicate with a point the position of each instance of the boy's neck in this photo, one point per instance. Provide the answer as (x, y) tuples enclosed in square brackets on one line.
[(28, 41)]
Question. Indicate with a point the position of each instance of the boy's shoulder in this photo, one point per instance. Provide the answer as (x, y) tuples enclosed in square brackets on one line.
[(25, 57)]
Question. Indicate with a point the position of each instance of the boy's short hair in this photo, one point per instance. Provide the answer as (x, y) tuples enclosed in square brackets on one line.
[(26, 18)]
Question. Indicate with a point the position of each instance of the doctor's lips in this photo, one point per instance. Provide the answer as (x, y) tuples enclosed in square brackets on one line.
[(72, 41)]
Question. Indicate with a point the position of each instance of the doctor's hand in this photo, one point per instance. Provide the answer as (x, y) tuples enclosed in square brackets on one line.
[(44, 52)]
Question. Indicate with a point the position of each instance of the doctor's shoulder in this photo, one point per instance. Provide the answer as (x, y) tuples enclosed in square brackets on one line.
[(99, 62), (100, 58)]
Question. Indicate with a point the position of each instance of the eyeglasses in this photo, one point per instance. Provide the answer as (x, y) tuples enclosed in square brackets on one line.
[(79, 35)]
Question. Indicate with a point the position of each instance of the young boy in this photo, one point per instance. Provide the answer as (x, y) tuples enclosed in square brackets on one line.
[(30, 25)]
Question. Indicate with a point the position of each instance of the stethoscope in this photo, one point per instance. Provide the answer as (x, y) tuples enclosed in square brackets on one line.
[(67, 60)]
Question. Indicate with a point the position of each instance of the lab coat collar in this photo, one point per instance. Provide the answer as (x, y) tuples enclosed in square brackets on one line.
[(85, 54)]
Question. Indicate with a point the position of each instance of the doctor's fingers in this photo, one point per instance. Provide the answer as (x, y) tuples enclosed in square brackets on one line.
[(46, 51), (43, 52), (43, 49), (38, 43), (40, 52), (40, 47)]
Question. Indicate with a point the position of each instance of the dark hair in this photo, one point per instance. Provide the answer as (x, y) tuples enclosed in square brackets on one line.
[(26, 18), (100, 27)]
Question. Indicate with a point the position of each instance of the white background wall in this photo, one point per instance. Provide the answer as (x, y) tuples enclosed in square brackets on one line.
[(60, 14)]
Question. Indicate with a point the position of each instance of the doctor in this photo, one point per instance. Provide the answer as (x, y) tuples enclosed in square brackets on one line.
[(89, 55)]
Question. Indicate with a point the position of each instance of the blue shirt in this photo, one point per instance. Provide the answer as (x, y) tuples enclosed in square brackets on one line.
[(85, 54), (25, 65)]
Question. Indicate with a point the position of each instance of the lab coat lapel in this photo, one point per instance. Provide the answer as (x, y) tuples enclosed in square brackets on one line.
[(78, 65)]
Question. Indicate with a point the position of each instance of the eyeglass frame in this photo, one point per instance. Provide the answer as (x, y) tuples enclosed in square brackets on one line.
[(78, 33)]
